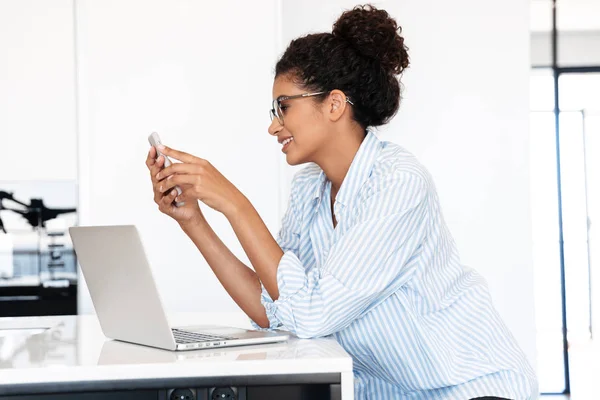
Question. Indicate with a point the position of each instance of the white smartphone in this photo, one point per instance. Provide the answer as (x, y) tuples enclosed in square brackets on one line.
[(154, 140)]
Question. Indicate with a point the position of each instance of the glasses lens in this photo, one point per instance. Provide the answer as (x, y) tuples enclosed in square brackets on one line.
[(275, 112), (279, 113)]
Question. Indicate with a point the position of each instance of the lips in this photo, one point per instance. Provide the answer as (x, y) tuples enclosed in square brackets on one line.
[(286, 143)]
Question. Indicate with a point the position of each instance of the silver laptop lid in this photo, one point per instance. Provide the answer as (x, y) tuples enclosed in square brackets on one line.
[(121, 285)]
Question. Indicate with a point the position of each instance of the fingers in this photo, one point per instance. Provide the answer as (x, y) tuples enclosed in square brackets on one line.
[(154, 169), (164, 199), (177, 180), (164, 180), (180, 198), (151, 158), (178, 155), (180, 168), (165, 203), (157, 166), (154, 162)]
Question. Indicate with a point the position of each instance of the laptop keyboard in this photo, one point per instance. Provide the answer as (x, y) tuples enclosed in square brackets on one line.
[(184, 337)]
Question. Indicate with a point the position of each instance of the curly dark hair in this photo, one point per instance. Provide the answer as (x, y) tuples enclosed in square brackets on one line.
[(362, 56)]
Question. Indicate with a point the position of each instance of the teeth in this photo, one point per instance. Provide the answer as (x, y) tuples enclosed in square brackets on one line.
[(286, 141)]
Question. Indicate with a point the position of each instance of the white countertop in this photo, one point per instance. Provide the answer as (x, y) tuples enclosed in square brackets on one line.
[(67, 349)]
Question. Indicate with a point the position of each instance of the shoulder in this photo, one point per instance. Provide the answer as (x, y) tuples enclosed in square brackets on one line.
[(307, 176), (395, 166), (305, 182)]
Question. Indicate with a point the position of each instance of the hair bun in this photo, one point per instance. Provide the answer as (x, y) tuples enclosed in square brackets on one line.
[(374, 34)]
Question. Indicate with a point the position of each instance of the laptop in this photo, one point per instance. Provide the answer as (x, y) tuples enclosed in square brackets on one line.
[(126, 299)]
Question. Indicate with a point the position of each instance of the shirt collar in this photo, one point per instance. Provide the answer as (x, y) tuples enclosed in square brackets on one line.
[(320, 186), (359, 171)]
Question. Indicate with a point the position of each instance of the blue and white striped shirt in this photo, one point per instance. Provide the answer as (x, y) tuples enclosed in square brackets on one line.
[(387, 283)]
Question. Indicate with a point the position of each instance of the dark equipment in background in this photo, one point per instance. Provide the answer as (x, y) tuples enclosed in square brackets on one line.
[(36, 213), (49, 289)]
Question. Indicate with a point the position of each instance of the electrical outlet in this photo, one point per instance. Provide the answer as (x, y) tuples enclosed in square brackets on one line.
[(223, 393), (182, 394)]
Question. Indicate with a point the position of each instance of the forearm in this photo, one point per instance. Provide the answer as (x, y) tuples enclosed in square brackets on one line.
[(239, 281), (263, 251)]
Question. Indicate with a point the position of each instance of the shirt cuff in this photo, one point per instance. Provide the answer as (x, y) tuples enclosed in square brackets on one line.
[(291, 276), (270, 308), (267, 302), (292, 281)]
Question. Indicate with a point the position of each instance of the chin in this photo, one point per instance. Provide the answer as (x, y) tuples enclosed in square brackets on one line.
[(291, 160)]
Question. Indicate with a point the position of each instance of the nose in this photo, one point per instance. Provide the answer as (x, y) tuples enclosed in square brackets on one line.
[(275, 127)]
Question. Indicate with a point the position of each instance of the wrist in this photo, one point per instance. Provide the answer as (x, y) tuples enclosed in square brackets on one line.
[(238, 208), (193, 223)]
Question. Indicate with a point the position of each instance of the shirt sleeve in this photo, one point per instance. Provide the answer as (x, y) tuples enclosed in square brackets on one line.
[(372, 260)]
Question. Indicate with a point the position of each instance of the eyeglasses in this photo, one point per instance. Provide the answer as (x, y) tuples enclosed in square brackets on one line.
[(277, 109)]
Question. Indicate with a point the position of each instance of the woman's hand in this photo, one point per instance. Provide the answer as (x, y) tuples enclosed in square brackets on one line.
[(199, 180), (185, 214)]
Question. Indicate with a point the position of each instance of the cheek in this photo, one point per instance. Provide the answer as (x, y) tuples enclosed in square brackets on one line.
[(305, 123), (306, 126), (306, 144)]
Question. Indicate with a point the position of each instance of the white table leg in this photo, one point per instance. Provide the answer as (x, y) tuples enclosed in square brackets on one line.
[(347, 386)]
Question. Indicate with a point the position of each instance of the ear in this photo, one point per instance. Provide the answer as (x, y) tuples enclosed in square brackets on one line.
[(336, 104)]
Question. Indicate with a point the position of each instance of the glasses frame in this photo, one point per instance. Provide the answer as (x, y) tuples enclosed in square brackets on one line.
[(277, 112)]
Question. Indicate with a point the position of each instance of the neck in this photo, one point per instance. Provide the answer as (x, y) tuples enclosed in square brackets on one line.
[(337, 157)]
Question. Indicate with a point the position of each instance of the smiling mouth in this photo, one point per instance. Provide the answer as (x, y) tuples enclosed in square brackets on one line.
[(286, 144), (287, 141)]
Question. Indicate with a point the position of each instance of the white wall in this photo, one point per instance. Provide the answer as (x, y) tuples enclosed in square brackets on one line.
[(465, 114), (199, 73), (37, 90)]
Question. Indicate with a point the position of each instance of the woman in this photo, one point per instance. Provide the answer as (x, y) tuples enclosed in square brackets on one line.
[(363, 254)]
